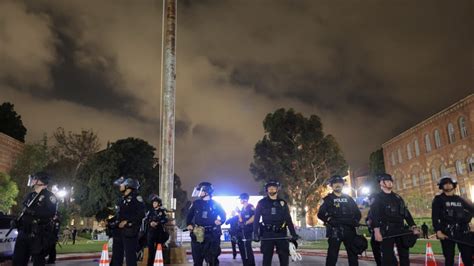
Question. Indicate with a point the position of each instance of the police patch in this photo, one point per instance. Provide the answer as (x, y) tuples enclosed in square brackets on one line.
[(139, 198), (282, 203), (41, 198), (53, 199)]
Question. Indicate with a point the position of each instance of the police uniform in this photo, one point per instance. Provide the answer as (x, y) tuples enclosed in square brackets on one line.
[(276, 220), (244, 235), (131, 209), (35, 229), (341, 215), (451, 215), (389, 213), (155, 234), (204, 213), (233, 232), (52, 249), (374, 244)]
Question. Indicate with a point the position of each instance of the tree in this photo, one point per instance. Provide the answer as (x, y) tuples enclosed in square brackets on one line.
[(8, 192), (10, 122), (134, 157), (74, 148), (376, 167), (296, 152), (32, 159)]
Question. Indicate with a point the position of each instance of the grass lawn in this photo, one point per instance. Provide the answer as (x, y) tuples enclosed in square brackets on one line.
[(81, 246), (85, 245), (419, 248)]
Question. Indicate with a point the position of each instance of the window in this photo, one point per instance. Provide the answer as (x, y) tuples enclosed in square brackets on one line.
[(417, 148), (459, 167), (415, 180), (470, 163), (451, 135), (405, 183), (434, 174), (427, 143), (393, 158), (409, 151), (437, 139), (397, 181), (462, 127), (399, 155), (442, 170)]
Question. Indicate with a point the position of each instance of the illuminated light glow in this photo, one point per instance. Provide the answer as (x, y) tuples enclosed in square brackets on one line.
[(365, 190), (62, 193), (231, 203)]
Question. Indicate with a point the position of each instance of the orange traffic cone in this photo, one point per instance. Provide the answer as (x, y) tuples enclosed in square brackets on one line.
[(460, 260), (104, 257), (158, 256), (429, 258)]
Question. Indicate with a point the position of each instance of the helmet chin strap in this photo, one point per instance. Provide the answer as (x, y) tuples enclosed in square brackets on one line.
[(206, 197)]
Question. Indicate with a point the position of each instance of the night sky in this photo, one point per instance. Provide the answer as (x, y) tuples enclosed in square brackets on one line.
[(369, 69)]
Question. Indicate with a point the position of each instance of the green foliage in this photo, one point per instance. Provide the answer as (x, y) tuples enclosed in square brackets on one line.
[(376, 167), (10, 122), (133, 157), (296, 152), (8, 192), (33, 158)]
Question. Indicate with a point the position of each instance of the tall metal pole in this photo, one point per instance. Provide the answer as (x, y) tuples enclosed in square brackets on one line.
[(168, 88)]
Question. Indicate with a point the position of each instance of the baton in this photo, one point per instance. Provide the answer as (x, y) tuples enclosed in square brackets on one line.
[(404, 234), (276, 238), (461, 242)]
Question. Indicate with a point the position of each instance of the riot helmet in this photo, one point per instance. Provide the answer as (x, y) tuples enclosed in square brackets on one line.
[(336, 179), (447, 179), (153, 197), (272, 183), (244, 196), (203, 187), (39, 176), (384, 177)]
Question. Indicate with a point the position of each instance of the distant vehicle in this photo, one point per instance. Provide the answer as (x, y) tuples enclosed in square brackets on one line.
[(7, 244)]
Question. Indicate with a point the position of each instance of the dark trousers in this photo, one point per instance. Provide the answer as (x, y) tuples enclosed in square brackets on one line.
[(208, 250), (73, 239), (425, 234), (376, 250), (282, 248), (245, 249), (448, 252), (52, 253), (335, 245), (25, 247), (124, 245), (233, 242), (388, 256)]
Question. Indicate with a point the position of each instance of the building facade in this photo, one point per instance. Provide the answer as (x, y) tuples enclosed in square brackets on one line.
[(442, 144), (10, 149)]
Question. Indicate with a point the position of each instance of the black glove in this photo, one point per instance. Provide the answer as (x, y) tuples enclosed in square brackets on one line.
[(255, 237), (295, 237)]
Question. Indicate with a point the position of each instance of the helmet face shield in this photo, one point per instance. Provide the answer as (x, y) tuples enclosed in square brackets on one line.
[(31, 181), (197, 192), (119, 181)]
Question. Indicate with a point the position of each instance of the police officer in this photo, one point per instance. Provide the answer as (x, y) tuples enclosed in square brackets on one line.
[(233, 232), (155, 221), (130, 212), (341, 215), (276, 220), (389, 213), (374, 244), (451, 215), (35, 227), (246, 219), (204, 221)]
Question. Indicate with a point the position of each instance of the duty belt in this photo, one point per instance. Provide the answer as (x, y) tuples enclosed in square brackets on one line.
[(273, 228)]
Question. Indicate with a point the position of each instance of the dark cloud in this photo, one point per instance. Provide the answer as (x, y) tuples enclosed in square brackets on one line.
[(369, 69)]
